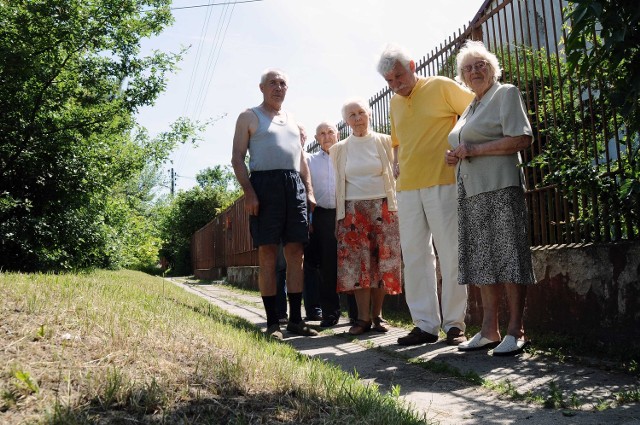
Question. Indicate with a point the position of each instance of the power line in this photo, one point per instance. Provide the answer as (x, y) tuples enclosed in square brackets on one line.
[(203, 35), (212, 62), (214, 4), (209, 67)]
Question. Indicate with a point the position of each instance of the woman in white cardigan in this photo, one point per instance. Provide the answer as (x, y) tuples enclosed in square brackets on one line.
[(369, 261)]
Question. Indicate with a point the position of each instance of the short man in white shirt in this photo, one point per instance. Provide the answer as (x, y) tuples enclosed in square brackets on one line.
[(323, 222)]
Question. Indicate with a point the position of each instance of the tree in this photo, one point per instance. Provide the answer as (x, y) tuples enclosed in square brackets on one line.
[(604, 41), (222, 180), (71, 81), (189, 211), (604, 36)]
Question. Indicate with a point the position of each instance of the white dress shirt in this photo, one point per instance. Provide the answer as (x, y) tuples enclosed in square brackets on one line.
[(323, 179)]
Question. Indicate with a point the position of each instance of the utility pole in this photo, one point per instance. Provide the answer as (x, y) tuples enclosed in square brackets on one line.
[(173, 182)]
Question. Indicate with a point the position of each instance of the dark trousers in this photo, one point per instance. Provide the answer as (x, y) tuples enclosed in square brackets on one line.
[(281, 284), (324, 239), (311, 291)]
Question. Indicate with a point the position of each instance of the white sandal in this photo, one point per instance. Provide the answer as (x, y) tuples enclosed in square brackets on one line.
[(510, 346), (478, 342)]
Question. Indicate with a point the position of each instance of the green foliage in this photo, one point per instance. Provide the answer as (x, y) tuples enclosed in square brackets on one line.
[(604, 36), (76, 174), (71, 81), (189, 211), (223, 180), (603, 43), (24, 382), (579, 128)]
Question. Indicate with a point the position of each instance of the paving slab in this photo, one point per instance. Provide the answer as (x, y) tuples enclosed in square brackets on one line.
[(449, 400)]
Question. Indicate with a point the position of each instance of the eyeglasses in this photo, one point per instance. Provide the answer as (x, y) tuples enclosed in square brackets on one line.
[(478, 66)]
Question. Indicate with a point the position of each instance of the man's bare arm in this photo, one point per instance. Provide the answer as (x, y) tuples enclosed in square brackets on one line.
[(238, 155), (396, 165), (305, 175)]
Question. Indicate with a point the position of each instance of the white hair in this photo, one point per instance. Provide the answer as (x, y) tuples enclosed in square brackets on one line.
[(355, 101), (328, 124), (476, 49), (266, 72), (391, 55)]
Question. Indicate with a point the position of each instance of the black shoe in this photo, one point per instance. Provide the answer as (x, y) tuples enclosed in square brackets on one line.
[(301, 329), (455, 336), (329, 321), (274, 332), (314, 317), (417, 336)]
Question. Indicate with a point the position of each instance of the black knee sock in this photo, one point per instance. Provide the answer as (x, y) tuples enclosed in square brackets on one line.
[(271, 308), (295, 305)]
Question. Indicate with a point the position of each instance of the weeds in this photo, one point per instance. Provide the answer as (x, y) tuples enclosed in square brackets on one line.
[(24, 382), (144, 352), (627, 396), (555, 398)]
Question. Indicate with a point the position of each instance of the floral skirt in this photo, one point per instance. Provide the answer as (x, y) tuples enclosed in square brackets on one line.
[(369, 247)]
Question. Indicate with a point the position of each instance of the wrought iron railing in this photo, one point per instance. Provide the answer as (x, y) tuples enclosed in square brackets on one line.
[(576, 131)]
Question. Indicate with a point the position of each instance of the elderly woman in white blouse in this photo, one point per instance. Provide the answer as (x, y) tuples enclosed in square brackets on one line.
[(367, 229), (493, 245)]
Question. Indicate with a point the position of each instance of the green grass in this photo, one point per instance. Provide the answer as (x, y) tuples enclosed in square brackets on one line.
[(551, 345), (126, 347)]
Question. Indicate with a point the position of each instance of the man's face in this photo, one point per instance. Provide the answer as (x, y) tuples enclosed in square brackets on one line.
[(401, 80), (327, 136), (274, 88)]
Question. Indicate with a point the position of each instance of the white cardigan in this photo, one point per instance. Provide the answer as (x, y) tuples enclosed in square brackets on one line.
[(338, 154)]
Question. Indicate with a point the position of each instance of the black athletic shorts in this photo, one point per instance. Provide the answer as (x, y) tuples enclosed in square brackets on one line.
[(282, 213)]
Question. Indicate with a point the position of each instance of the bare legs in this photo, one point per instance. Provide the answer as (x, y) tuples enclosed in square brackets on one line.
[(377, 298), (491, 294), (267, 256), (369, 302), (516, 295), (294, 255)]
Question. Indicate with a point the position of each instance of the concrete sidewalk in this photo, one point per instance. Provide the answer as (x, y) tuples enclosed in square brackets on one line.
[(446, 400)]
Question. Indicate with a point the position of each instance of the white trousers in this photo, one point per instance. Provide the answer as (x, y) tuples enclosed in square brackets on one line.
[(431, 215)]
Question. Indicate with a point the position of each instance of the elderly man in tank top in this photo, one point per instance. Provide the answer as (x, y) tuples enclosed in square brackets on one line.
[(276, 191)]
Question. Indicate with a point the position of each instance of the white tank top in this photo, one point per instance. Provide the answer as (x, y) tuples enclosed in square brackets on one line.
[(274, 145)]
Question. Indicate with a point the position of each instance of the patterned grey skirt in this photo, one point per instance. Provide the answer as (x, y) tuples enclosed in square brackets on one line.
[(492, 242)]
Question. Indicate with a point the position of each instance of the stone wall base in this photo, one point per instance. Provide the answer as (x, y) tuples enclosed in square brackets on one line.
[(586, 290)]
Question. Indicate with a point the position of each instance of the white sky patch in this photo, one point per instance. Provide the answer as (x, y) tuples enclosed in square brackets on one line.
[(329, 49)]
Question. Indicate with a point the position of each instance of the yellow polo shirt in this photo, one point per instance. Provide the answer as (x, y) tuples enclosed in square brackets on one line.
[(420, 124)]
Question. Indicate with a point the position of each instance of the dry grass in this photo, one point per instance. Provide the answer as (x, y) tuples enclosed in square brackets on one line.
[(125, 347)]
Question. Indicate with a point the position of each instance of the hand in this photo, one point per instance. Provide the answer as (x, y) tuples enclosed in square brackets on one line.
[(310, 215), (251, 203), (463, 151), (311, 201), (450, 158), (396, 170)]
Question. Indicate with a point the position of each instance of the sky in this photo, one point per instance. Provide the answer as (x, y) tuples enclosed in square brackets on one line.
[(328, 48)]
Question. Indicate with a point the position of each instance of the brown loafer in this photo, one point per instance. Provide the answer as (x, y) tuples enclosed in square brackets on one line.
[(379, 325), (455, 336), (360, 327), (417, 336)]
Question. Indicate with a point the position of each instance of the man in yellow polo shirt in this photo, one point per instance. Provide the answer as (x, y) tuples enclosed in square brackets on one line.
[(423, 112)]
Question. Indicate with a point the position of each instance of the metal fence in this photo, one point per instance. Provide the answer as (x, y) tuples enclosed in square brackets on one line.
[(577, 134)]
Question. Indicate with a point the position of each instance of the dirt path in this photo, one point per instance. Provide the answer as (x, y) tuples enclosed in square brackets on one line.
[(446, 400)]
